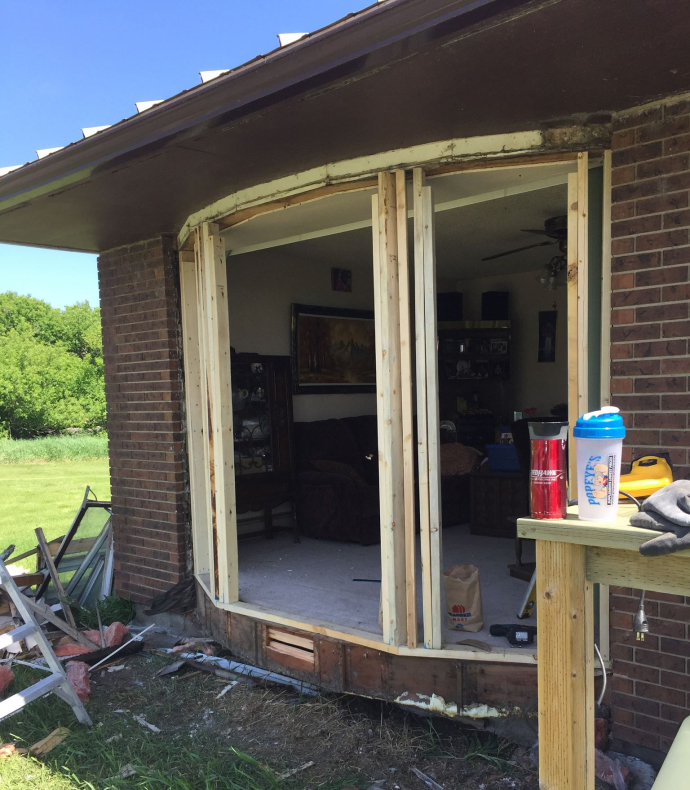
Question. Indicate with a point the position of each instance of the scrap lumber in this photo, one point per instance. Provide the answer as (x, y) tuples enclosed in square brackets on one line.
[(96, 656), (47, 744), (52, 570), (48, 614)]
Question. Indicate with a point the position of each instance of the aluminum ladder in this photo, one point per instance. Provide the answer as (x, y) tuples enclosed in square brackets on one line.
[(56, 679)]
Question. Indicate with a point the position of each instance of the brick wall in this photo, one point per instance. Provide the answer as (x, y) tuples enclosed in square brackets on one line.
[(649, 382), (139, 291)]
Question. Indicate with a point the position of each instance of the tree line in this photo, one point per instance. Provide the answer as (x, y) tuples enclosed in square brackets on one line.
[(51, 367)]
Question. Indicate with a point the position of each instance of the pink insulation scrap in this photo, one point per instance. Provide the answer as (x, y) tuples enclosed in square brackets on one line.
[(115, 634), (78, 676), (6, 677), (70, 650)]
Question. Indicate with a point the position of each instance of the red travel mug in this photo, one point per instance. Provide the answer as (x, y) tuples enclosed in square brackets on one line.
[(547, 490)]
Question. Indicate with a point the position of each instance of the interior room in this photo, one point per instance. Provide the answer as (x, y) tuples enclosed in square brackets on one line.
[(301, 279)]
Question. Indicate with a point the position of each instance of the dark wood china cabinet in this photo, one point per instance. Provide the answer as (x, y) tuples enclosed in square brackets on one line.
[(262, 418)]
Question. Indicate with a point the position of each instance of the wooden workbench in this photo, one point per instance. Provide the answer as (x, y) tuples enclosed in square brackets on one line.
[(571, 556)]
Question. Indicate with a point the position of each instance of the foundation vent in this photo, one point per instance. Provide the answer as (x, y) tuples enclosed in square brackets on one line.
[(287, 644)]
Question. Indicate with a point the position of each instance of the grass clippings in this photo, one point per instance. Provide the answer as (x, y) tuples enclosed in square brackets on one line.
[(256, 738)]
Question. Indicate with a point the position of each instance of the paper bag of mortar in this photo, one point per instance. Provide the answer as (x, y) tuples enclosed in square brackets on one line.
[(463, 598)]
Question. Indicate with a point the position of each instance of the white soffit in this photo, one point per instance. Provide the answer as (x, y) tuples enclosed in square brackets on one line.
[(89, 131), (142, 106), (43, 152), (207, 76), (290, 38)]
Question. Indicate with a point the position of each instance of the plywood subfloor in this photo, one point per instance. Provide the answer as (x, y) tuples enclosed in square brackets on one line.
[(315, 579)]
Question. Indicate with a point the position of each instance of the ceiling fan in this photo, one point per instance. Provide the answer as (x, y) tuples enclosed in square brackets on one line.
[(556, 228)]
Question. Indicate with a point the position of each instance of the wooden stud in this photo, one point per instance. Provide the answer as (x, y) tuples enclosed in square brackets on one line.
[(582, 283), (208, 475), (605, 373), (572, 309), (219, 395), (407, 409), (391, 490), (191, 346), (52, 570), (565, 668), (433, 419), (605, 377), (422, 394)]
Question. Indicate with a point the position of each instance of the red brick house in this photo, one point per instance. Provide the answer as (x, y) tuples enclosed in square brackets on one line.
[(217, 210)]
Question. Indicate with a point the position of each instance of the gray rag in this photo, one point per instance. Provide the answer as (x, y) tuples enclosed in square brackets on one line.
[(667, 511)]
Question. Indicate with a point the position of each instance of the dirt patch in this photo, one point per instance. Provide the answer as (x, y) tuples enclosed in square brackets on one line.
[(350, 740)]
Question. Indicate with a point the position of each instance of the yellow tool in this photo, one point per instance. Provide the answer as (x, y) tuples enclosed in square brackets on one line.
[(647, 475), (530, 599)]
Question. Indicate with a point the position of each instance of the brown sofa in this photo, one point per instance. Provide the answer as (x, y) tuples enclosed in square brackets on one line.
[(337, 481)]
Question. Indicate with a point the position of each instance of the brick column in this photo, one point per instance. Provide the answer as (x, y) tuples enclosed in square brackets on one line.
[(649, 382), (140, 307)]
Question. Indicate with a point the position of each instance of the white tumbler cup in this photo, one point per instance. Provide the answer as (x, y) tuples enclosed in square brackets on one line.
[(599, 444)]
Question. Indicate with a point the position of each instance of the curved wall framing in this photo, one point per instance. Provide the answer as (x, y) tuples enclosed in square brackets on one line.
[(437, 158), (527, 148)]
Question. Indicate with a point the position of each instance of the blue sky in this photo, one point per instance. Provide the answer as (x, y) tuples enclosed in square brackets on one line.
[(68, 64)]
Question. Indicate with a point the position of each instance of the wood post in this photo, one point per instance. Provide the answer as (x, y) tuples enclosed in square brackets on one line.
[(407, 410), (193, 398), (389, 412), (565, 667), (209, 412), (427, 411)]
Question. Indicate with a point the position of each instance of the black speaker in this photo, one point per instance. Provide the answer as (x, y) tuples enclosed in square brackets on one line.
[(449, 306), (495, 306)]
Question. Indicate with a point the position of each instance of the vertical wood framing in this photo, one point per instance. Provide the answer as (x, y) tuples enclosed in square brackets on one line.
[(577, 304), (572, 286), (565, 667), (428, 426), (391, 487), (195, 435), (208, 468), (421, 371), (205, 324), (605, 377), (219, 409), (407, 409), (582, 282)]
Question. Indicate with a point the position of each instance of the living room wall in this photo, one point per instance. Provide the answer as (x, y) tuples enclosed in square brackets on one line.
[(262, 287), (537, 384)]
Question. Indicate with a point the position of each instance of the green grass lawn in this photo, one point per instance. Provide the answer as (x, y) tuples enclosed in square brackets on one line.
[(46, 495)]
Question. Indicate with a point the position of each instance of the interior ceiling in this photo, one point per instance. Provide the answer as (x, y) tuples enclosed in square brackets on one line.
[(490, 224)]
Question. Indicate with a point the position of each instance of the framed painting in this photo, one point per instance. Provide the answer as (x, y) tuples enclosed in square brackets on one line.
[(333, 350)]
